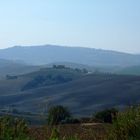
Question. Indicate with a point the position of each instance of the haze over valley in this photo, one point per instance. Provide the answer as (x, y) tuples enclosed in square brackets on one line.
[(70, 70), (54, 75)]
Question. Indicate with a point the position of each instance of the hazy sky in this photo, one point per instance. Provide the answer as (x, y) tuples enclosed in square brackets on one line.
[(107, 24)]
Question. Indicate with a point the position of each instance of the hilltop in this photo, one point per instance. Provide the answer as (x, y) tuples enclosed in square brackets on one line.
[(46, 54)]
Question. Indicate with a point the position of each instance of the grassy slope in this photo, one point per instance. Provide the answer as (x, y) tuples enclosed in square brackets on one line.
[(14, 86), (83, 95), (9, 67), (134, 70)]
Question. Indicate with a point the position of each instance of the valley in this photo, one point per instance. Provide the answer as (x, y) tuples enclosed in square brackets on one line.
[(82, 92)]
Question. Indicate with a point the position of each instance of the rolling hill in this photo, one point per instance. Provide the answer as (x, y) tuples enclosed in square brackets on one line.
[(133, 70), (83, 93), (46, 54), (9, 67), (30, 87)]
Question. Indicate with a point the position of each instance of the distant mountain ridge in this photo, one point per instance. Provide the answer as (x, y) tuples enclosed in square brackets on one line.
[(40, 55)]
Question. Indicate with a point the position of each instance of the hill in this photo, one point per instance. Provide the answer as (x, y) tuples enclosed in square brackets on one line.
[(102, 69), (44, 77), (9, 67), (133, 70), (46, 54), (82, 93)]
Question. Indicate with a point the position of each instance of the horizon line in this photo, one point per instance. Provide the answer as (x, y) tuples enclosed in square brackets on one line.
[(69, 46)]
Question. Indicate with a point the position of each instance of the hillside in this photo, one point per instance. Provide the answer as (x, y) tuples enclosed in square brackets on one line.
[(133, 70), (46, 54), (44, 77), (83, 94), (103, 69), (9, 67)]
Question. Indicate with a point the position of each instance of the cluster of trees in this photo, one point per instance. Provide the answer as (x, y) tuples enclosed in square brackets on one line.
[(106, 116), (40, 81), (81, 70), (10, 77), (59, 66), (60, 115), (52, 77), (84, 70)]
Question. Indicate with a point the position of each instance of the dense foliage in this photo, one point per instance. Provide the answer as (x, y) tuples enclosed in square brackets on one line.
[(13, 129), (57, 114), (53, 76), (107, 115), (126, 126), (40, 81)]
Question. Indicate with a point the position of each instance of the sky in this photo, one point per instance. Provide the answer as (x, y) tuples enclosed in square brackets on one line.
[(101, 24)]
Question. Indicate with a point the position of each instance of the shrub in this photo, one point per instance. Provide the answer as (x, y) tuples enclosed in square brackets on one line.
[(57, 114), (13, 129), (107, 115), (126, 126)]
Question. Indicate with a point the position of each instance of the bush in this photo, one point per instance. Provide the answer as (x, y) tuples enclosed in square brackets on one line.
[(126, 126), (13, 129), (57, 114), (107, 115)]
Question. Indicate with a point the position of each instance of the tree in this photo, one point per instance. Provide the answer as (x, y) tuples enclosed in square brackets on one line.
[(85, 70), (57, 114), (107, 115)]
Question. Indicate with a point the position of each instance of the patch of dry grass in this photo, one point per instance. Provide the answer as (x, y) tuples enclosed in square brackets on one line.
[(81, 132)]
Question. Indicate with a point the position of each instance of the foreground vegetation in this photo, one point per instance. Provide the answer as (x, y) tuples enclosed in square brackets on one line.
[(124, 126), (13, 129)]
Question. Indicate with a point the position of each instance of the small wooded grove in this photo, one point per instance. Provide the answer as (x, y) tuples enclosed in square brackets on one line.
[(61, 115), (123, 125)]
